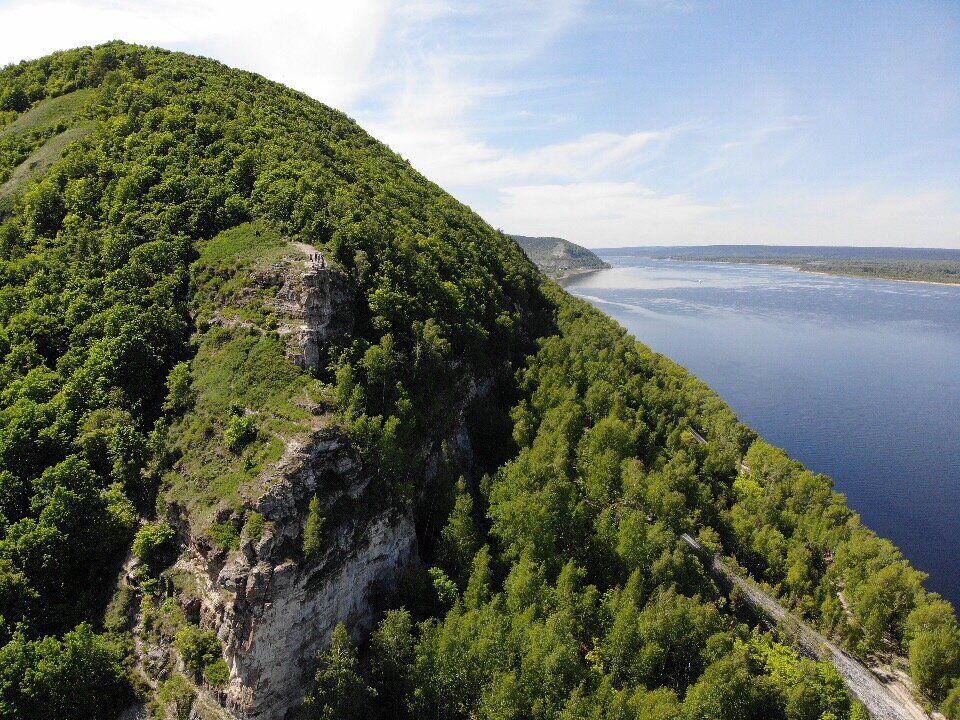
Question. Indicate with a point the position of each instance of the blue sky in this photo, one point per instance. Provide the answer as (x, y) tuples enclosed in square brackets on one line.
[(615, 123)]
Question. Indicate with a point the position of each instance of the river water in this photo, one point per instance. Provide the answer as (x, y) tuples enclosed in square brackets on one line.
[(858, 379)]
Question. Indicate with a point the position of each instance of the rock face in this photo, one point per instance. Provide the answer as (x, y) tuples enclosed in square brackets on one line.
[(274, 609), (321, 302)]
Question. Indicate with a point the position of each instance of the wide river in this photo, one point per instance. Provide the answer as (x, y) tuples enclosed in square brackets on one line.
[(858, 379)]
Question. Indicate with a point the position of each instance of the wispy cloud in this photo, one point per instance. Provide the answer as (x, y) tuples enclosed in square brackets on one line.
[(325, 50), (517, 108), (607, 214)]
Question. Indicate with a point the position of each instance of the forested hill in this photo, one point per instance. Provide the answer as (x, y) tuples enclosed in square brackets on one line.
[(557, 257), (268, 395)]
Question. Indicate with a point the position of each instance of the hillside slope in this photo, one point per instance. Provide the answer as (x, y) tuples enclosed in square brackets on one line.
[(269, 395), (557, 257)]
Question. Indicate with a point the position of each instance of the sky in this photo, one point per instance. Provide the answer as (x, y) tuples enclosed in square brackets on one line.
[(639, 122)]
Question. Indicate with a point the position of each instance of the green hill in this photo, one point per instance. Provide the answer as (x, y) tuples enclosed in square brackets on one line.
[(557, 257), (268, 395)]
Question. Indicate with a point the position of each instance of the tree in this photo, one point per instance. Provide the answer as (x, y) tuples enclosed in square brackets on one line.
[(729, 690), (935, 660), (341, 693), (151, 540), (392, 658), (82, 676), (458, 539)]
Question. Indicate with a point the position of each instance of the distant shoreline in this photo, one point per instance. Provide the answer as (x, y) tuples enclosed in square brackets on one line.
[(578, 272), (830, 273)]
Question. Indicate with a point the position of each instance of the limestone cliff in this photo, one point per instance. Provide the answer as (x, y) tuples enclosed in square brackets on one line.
[(272, 607), (317, 305)]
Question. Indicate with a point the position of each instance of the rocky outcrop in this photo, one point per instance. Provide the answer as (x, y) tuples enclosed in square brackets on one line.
[(274, 609), (319, 306)]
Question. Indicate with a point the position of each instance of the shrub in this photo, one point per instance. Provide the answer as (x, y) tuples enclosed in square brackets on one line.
[(241, 429), (179, 393), (151, 540), (225, 535), (255, 525), (197, 647), (313, 531), (217, 673)]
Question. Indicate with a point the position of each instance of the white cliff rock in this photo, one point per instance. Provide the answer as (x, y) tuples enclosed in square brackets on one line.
[(273, 609)]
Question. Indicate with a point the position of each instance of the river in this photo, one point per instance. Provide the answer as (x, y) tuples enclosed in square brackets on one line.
[(858, 379)]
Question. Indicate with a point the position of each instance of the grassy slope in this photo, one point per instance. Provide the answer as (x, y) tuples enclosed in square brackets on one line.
[(53, 111), (41, 160), (240, 368)]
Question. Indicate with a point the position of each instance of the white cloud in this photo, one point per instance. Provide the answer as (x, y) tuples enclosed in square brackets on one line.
[(323, 49), (608, 214), (452, 157), (428, 76), (603, 214)]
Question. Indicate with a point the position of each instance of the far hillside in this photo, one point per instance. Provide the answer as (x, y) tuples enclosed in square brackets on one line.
[(557, 257)]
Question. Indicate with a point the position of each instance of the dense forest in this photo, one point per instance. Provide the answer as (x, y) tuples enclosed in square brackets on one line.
[(144, 196)]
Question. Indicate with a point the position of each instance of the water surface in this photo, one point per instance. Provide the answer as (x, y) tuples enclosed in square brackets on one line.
[(856, 378)]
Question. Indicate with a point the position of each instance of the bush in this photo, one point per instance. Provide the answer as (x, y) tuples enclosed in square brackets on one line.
[(174, 698), (255, 525), (225, 535), (151, 540), (179, 393), (951, 706), (217, 673), (241, 429), (313, 531), (198, 648)]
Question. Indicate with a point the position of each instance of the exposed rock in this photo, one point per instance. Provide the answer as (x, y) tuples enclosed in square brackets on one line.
[(273, 609), (320, 304)]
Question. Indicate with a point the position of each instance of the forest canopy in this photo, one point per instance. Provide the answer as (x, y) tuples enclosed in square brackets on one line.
[(140, 193)]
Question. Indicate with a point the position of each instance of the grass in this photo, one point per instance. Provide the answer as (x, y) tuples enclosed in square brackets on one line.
[(239, 370), (40, 161), (224, 273), (56, 110)]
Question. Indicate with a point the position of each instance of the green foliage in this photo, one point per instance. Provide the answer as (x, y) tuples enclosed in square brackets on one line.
[(459, 541), (174, 698), (313, 529), (217, 673), (200, 650), (340, 692), (151, 540), (392, 649), (255, 526), (148, 204), (935, 660), (445, 588), (951, 706), (225, 535), (241, 429), (179, 393), (80, 677)]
